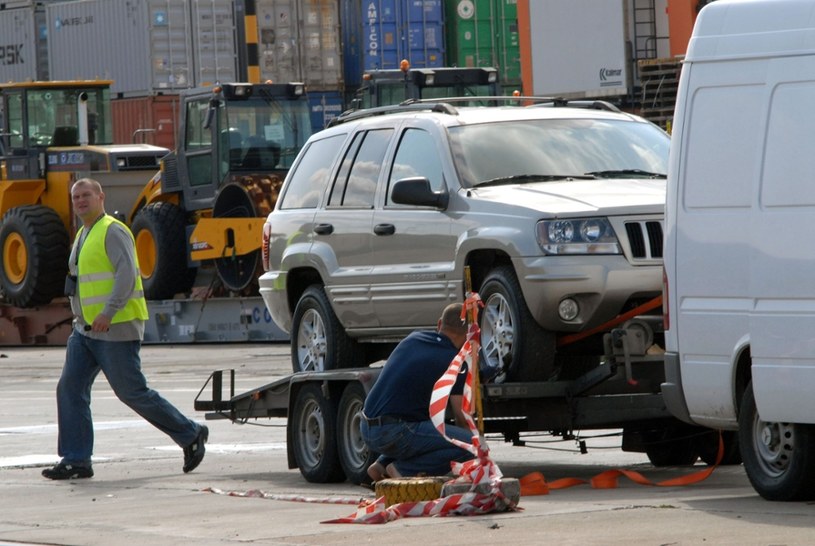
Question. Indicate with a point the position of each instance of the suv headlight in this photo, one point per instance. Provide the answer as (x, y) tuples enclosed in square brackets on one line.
[(577, 236)]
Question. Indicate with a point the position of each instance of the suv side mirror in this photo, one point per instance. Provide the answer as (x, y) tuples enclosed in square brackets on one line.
[(417, 191)]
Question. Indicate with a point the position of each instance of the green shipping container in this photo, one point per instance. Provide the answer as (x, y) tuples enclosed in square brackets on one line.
[(485, 33)]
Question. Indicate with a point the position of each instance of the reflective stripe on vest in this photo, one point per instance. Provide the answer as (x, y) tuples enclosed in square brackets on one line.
[(96, 277)]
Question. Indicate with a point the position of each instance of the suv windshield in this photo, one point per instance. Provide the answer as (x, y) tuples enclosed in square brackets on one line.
[(543, 150)]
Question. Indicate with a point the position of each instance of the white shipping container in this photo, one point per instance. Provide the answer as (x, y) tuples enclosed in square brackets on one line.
[(23, 49), (578, 48), (144, 46), (299, 40)]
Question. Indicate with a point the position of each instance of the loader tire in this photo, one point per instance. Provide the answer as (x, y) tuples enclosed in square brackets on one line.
[(396, 490), (160, 233), (35, 248)]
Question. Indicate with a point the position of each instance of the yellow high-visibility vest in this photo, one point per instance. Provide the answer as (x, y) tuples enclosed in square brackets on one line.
[(96, 276)]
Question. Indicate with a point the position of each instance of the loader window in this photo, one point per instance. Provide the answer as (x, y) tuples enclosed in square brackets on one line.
[(15, 121), (198, 144)]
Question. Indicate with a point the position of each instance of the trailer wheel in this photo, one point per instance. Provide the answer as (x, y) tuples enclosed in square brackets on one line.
[(315, 436), (671, 445), (512, 342), (779, 458), (708, 447), (35, 247), (160, 233), (319, 341), (355, 457)]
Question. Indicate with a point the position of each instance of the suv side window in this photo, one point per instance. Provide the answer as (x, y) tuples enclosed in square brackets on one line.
[(417, 156), (310, 178), (357, 187)]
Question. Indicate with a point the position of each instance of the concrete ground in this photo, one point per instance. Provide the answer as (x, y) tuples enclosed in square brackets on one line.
[(139, 494)]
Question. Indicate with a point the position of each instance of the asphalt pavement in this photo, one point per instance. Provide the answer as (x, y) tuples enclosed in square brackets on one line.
[(140, 495)]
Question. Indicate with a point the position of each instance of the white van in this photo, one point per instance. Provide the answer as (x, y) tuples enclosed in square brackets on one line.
[(740, 238)]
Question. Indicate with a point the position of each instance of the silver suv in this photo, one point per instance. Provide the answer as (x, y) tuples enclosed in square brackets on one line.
[(556, 211)]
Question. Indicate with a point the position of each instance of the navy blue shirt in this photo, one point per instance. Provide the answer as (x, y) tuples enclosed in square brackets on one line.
[(405, 385)]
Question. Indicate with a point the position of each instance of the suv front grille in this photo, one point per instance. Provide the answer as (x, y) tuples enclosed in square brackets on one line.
[(645, 239)]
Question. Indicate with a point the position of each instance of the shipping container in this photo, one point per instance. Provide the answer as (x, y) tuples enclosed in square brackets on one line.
[(384, 32), (299, 41), (324, 106), (23, 41), (144, 47), (484, 33), (573, 48), (152, 120)]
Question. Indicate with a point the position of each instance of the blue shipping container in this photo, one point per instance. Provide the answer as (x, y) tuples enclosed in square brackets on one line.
[(324, 106), (383, 32)]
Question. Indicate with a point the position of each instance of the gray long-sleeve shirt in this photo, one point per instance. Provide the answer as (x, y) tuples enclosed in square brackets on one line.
[(122, 254)]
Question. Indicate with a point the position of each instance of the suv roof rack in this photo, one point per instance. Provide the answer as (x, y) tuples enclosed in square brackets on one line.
[(445, 105), (407, 106)]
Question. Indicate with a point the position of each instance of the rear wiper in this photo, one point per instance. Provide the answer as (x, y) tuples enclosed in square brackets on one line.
[(521, 178), (623, 173)]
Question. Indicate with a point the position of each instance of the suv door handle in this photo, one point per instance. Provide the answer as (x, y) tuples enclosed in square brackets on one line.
[(384, 229), (324, 229)]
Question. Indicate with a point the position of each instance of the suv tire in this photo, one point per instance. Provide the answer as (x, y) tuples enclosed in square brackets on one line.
[(513, 344), (319, 342)]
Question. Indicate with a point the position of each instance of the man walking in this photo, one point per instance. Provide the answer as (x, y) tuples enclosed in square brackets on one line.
[(109, 310)]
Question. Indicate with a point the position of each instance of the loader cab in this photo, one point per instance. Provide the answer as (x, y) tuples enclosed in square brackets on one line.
[(40, 115), (233, 131), (393, 86)]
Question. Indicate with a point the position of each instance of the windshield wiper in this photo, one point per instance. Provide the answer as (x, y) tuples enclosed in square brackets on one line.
[(521, 178), (625, 173)]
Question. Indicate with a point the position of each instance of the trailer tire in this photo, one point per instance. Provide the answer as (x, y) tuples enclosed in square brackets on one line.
[(513, 345), (708, 447), (35, 248), (319, 341), (160, 233), (671, 445), (355, 457), (314, 435), (779, 458)]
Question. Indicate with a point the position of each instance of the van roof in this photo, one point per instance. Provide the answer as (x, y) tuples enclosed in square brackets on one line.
[(740, 29)]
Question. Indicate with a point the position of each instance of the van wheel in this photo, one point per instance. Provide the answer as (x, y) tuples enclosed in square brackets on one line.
[(354, 455), (779, 458), (513, 346), (319, 341), (314, 436)]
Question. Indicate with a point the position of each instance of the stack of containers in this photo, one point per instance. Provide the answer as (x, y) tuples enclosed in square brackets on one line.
[(23, 41), (482, 33), (151, 49), (299, 40), (379, 34)]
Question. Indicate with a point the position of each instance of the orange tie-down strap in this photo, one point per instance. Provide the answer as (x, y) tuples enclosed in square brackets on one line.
[(535, 484), (644, 308)]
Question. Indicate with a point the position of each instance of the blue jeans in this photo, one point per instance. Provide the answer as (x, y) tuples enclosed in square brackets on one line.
[(84, 359), (416, 447)]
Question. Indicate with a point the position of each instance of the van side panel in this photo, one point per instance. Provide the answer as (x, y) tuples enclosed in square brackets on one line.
[(721, 145), (742, 266), (783, 261)]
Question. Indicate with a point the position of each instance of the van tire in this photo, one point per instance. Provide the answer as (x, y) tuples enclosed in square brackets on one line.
[(783, 470), (513, 346)]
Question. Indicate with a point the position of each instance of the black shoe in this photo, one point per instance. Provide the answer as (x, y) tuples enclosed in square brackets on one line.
[(194, 453), (67, 472)]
